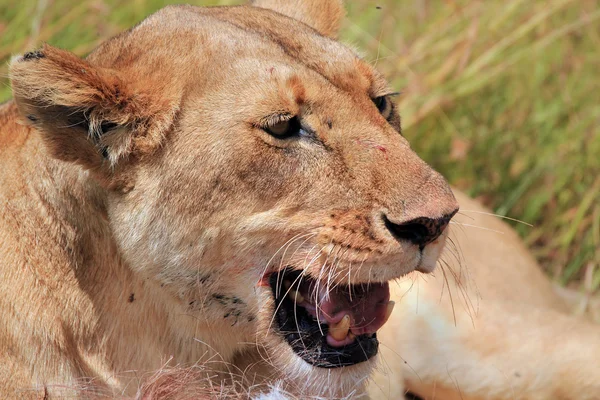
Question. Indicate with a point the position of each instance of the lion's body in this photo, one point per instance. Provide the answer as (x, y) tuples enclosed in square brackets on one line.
[(143, 201), (66, 313)]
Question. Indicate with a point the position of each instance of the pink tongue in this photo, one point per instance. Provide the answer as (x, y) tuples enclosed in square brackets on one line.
[(366, 305)]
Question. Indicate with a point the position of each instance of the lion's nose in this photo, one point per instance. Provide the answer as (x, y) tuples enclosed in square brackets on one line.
[(419, 231)]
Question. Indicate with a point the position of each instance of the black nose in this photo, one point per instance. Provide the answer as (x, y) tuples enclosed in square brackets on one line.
[(420, 231)]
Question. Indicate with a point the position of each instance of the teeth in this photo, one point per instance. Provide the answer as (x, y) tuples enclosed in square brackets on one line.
[(340, 330), (388, 312), (296, 296)]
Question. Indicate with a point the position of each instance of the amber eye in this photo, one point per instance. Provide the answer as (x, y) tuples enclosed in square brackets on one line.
[(283, 129), (384, 105)]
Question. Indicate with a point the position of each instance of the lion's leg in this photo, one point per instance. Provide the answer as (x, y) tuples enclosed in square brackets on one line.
[(502, 351)]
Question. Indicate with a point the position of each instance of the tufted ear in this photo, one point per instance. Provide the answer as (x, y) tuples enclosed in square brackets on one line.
[(323, 15), (87, 114)]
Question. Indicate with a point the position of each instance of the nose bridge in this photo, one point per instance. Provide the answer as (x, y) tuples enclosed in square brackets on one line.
[(403, 185), (429, 196)]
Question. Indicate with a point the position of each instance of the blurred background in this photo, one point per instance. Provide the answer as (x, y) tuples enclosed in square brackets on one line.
[(501, 96)]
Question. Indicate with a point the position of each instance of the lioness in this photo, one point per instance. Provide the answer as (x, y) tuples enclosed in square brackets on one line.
[(232, 183)]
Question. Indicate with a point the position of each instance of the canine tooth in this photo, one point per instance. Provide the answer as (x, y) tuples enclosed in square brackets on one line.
[(388, 311), (340, 330), (296, 296)]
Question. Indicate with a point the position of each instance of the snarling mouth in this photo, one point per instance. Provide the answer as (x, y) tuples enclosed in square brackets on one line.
[(329, 326)]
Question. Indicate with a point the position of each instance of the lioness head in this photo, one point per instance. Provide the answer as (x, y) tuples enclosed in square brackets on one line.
[(254, 168)]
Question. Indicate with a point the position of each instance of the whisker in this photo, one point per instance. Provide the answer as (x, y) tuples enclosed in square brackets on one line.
[(316, 290), (403, 360), (293, 238), (478, 227), (296, 309), (499, 216), (285, 294), (282, 261), (465, 215), (463, 292), (450, 293)]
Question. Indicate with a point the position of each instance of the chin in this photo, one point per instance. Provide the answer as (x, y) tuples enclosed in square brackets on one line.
[(321, 340)]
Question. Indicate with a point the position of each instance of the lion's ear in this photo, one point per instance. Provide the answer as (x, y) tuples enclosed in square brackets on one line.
[(87, 114), (323, 15)]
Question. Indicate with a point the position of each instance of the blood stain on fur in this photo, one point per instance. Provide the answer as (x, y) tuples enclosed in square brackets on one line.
[(373, 145)]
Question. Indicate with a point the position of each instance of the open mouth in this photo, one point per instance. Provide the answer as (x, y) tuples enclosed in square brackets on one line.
[(329, 326)]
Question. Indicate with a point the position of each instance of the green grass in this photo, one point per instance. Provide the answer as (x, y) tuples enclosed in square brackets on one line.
[(503, 97)]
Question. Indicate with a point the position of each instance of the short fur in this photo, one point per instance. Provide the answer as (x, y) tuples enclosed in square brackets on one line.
[(486, 325), (142, 204)]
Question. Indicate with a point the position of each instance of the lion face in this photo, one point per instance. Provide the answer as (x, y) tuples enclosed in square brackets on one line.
[(255, 169)]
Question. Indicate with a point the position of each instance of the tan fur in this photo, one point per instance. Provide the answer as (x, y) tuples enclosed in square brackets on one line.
[(324, 16), (142, 203), (487, 324)]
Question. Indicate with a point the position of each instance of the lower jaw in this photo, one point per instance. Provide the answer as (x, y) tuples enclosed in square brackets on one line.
[(322, 355), (308, 339)]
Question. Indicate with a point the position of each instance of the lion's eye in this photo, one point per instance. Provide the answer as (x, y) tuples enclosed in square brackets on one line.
[(384, 105), (284, 129)]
